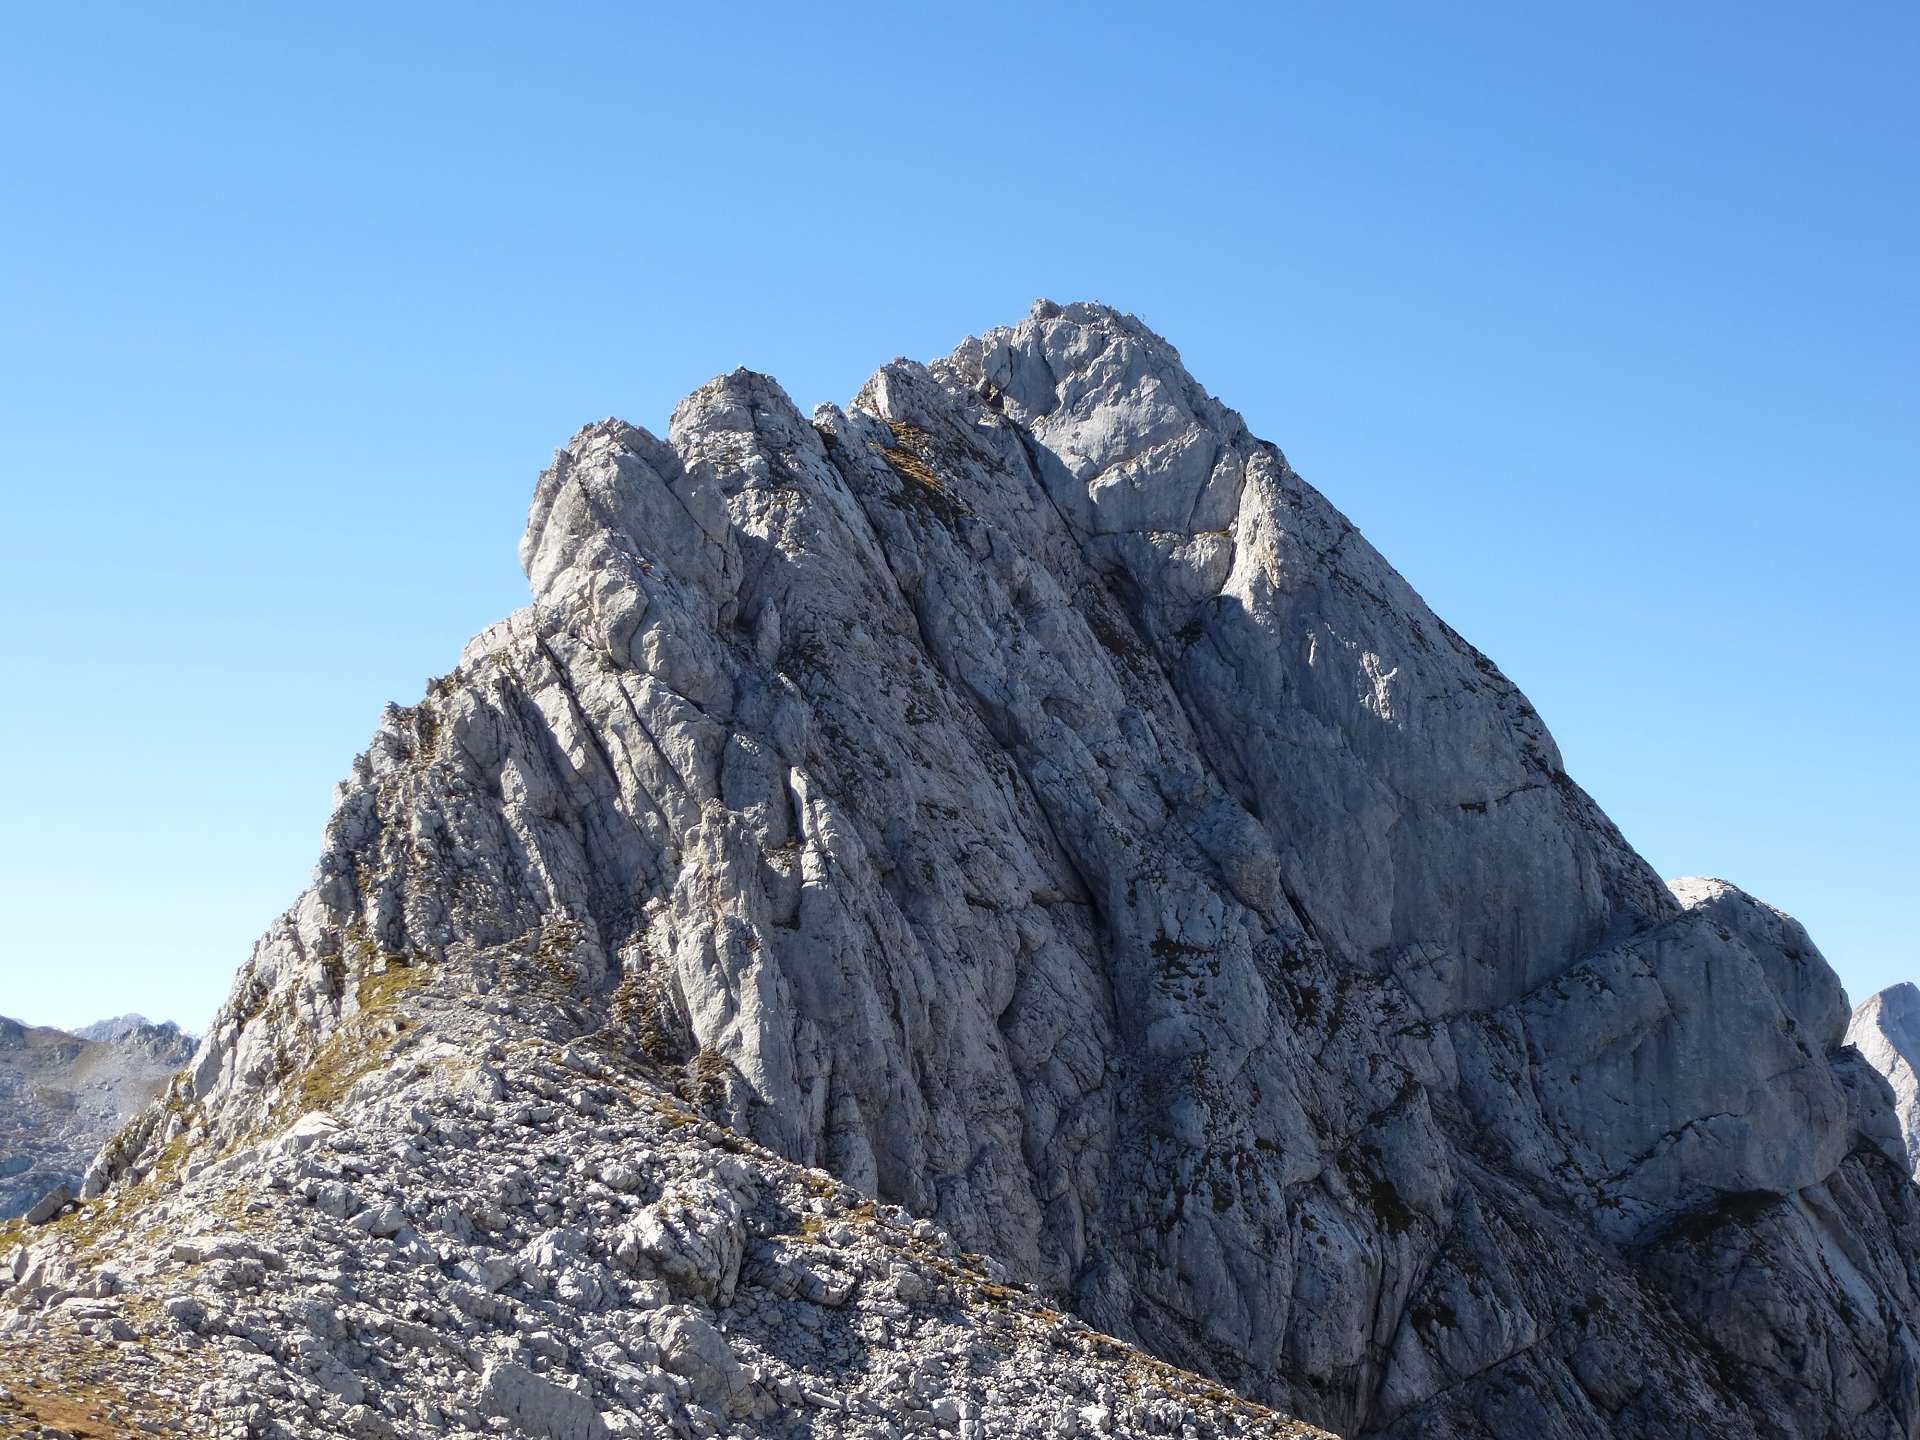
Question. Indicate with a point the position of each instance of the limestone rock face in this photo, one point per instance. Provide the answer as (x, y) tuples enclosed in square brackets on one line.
[(1886, 1032), (62, 1095), (494, 1227), (1021, 795)]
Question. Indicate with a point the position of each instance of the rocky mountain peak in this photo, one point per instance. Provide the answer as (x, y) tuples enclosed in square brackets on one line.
[(1886, 1031), (1019, 804), (1896, 1006), (112, 1028)]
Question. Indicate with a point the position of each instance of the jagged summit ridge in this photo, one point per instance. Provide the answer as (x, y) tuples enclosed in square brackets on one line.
[(1022, 795), (119, 1026)]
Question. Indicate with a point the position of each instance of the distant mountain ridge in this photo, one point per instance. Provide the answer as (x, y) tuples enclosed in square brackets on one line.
[(63, 1093), (129, 1024)]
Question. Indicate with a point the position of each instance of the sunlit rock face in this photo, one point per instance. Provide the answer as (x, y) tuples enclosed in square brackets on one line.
[(1022, 795), (1886, 1032)]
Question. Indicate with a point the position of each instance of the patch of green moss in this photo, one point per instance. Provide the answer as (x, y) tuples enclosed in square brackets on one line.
[(908, 458), (553, 952), (358, 1048), (379, 990), (360, 1044)]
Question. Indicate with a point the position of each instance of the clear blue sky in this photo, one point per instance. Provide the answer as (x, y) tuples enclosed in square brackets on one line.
[(1600, 321)]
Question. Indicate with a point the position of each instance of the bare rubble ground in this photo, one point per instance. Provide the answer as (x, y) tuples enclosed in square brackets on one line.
[(511, 1234)]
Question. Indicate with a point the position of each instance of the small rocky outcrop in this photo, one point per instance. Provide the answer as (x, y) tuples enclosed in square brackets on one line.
[(62, 1095), (1014, 816)]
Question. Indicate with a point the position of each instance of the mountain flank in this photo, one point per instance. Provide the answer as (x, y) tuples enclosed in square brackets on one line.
[(63, 1095), (990, 911)]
